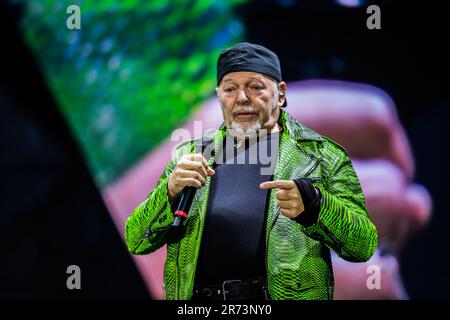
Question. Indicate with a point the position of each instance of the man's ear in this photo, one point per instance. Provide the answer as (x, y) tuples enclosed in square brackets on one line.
[(281, 92)]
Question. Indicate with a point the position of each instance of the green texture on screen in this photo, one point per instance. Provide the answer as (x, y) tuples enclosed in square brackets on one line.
[(133, 73)]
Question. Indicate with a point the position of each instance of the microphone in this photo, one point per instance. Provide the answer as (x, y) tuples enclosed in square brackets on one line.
[(187, 195)]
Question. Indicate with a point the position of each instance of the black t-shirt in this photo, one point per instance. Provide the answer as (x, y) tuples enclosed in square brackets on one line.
[(233, 242)]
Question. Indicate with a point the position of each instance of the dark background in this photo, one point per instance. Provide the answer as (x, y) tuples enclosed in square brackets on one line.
[(408, 58), (52, 215)]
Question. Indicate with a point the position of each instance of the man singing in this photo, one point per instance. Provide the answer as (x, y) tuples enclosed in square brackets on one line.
[(259, 227)]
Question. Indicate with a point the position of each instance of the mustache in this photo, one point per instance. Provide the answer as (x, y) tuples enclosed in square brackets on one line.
[(244, 109)]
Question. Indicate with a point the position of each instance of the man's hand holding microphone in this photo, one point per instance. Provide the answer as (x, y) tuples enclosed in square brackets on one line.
[(189, 174)]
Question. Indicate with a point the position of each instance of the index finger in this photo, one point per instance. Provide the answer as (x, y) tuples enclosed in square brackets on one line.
[(279, 184)]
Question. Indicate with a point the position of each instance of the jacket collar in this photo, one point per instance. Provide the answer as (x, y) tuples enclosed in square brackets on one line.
[(296, 130)]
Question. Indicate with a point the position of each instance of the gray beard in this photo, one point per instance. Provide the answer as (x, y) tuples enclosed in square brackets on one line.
[(247, 132)]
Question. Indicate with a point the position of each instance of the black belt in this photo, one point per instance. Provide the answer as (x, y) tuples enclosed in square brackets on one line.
[(248, 289)]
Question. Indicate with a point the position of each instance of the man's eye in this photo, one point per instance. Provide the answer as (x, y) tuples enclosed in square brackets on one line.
[(228, 89), (256, 87)]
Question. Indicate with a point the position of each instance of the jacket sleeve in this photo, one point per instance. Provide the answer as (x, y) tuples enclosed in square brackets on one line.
[(343, 222), (146, 228)]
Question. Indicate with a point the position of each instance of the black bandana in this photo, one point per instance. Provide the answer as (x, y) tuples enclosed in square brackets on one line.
[(248, 57)]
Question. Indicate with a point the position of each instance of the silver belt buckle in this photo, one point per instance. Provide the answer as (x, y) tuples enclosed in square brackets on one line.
[(225, 292)]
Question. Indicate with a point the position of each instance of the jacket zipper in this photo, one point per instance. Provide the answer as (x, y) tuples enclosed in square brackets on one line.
[(339, 246), (147, 231)]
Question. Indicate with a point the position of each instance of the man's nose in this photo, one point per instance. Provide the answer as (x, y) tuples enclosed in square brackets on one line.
[(242, 97)]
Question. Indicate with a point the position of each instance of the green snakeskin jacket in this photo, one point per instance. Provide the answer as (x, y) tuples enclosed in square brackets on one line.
[(298, 261)]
